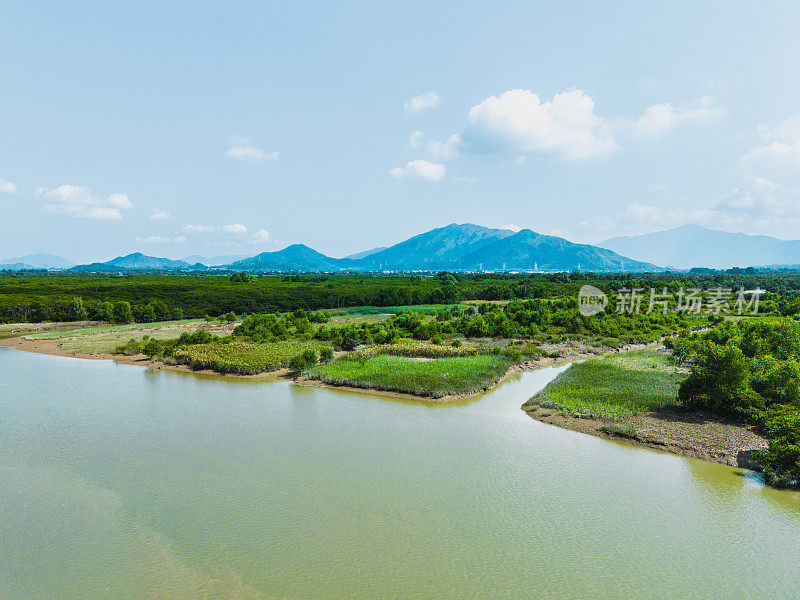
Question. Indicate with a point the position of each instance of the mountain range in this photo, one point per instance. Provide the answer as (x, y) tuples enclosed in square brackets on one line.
[(473, 248), (36, 261), (457, 247), (696, 246)]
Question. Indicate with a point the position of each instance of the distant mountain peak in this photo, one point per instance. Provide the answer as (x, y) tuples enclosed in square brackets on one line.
[(693, 245)]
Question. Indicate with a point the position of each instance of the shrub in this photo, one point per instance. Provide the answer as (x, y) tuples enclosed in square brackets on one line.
[(326, 354), (781, 460), (123, 312), (627, 430), (303, 361), (719, 383), (130, 348), (152, 348)]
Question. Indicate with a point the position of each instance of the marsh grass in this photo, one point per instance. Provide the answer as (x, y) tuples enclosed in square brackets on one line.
[(413, 348), (105, 339), (109, 329), (242, 358), (434, 378), (627, 430), (614, 386)]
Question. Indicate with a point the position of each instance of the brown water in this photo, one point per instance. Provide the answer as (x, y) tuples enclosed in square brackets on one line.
[(122, 482)]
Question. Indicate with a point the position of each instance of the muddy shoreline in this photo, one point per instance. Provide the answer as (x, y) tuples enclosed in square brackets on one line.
[(673, 430)]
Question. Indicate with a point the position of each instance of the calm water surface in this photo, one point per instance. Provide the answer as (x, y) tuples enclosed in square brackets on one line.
[(122, 482)]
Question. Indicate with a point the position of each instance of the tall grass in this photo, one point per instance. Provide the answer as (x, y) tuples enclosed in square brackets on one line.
[(434, 378), (614, 386), (242, 358), (413, 348)]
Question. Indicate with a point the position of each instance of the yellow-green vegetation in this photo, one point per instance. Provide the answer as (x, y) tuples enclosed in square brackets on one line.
[(422, 377), (242, 357), (106, 339), (414, 348), (383, 311), (614, 386)]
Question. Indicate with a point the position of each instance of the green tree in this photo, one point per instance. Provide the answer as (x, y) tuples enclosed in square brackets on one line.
[(105, 312), (77, 311), (719, 383), (146, 314), (781, 460), (123, 312)]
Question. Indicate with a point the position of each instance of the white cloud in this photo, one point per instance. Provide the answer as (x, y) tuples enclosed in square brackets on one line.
[(421, 102), (517, 122), (420, 169), (661, 118), (234, 228), (757, 205), (446, 150), (250, 153), (784, 146), (7, 187), (78, 201), (199, 228), (261, 236), (157, 239), (512, 227), (414, 139), (159, 215)]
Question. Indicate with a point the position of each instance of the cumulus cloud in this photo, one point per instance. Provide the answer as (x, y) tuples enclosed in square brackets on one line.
[(251, 153), (199, 228), (79, 202), (261, 236), (782, 147), (157, 239), (756, 205), (242, 148), (518, 122), (414, 139), (661, 118), (512, 227), (7, 187), (422, 102), (447, 150), (235, 228), (419, 169), (159, 215)]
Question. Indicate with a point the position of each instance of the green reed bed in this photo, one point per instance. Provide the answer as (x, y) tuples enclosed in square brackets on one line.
[(433, 377), (614, 386), (241, 358)]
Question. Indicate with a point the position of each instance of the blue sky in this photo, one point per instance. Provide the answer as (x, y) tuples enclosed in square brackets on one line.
[(234, 128)]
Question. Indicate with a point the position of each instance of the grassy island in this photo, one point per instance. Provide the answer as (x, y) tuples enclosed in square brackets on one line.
[(614, 386), (434, 377)]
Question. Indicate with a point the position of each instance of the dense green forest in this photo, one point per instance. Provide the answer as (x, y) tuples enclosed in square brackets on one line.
[(37, 297), (750, 371)]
